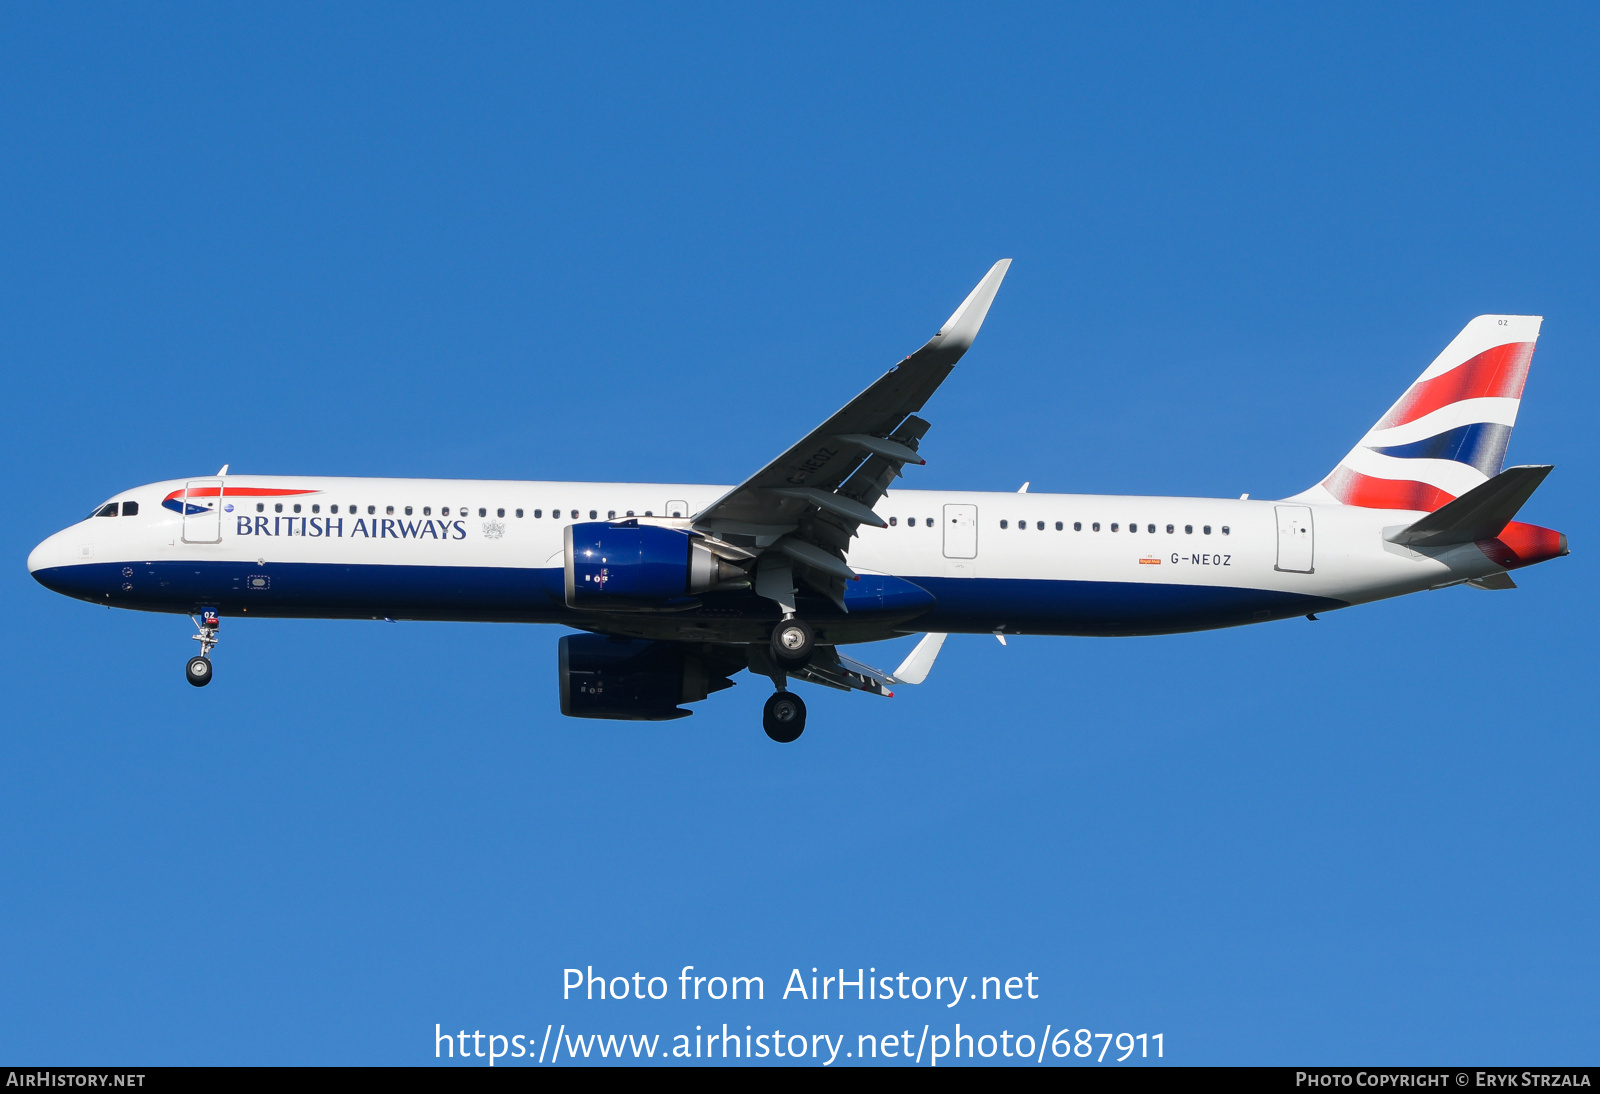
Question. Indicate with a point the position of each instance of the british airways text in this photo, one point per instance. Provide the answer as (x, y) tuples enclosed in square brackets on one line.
[(334, 528)]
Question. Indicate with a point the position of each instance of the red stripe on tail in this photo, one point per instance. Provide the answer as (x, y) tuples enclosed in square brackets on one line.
[(1354, 488), (1497, 373)]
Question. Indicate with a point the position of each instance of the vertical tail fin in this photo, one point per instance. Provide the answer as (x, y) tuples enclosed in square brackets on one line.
[(1448, 433)]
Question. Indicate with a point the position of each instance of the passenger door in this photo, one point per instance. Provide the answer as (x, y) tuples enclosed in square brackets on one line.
[(202, 511), (1296, 539)]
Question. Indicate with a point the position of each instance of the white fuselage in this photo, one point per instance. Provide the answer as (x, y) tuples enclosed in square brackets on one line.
[(1007, 562)]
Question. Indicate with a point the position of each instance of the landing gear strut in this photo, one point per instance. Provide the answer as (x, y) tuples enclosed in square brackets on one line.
[(784, 717), (792, 642), (198, 670)]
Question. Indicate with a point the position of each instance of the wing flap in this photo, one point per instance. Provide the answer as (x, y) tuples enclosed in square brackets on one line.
[(831, 670)]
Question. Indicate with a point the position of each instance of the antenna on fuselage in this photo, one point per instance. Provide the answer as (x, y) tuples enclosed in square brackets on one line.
[(221, 473)]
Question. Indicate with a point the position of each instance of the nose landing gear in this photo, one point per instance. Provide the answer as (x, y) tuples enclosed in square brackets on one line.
[(198, 670), (784, 717)]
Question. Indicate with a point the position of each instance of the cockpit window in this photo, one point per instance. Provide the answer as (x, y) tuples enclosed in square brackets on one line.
[(130, 508), (109, 509)]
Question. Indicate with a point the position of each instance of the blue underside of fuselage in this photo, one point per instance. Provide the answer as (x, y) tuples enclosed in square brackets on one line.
[(499, 594)]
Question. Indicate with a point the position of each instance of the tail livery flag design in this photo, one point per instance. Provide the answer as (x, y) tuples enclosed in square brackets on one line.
[(1449, 431)]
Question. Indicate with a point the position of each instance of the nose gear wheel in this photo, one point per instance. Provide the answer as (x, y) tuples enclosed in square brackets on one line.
[(198, 670)]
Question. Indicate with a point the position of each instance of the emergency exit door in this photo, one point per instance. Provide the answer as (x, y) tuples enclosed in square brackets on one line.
[(1296, 540), (202, 511), (960, 531)]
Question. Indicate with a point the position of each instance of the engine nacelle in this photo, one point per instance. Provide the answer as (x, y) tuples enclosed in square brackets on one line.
[(632, 679), (627, 566)]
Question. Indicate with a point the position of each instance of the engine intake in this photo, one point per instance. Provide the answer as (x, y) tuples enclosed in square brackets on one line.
[(631, 679), (626, 566)]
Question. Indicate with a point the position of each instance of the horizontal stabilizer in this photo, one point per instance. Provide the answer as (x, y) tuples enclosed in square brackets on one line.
[(1480, 513)]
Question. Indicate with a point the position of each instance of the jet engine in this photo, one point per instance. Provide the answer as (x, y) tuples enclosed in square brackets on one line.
[(632, 679), (626, 566)]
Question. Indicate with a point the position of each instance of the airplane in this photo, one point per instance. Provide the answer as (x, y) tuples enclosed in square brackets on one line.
[(675, 588)]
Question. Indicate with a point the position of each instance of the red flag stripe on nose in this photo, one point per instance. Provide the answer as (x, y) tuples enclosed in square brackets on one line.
[(238, 492)]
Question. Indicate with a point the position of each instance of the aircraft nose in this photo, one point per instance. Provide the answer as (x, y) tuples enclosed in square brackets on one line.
[(50, 553)]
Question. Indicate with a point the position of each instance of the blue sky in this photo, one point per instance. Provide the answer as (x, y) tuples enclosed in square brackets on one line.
[(617, 243)]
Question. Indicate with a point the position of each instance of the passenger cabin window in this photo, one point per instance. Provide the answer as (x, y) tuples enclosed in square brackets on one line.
[(1224, 529), (1077, 526), (296, 507), (408, 510), (1058, 526), (893, 521), (502, 512), (928, 521), (277, 507), (388, 510), (316, 508), (1096, 526), (261, 507), (574, 514), (1169, 529), (1041, 526), (427, 511), (1113, 526), (1188, 529), (483, 512), (1151, 529), (1206, 529), (611, 514)]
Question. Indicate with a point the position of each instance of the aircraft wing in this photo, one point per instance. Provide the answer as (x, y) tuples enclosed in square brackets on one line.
[(808, 503)]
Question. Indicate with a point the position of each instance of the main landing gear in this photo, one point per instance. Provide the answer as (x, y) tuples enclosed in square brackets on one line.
[(198, 670), (784, 717), (792, 642)]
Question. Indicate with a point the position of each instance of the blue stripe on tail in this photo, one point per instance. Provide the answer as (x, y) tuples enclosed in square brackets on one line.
[(1482, 445)]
